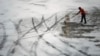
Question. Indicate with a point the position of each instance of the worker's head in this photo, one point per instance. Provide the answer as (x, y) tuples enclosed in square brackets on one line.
[(79, 8)]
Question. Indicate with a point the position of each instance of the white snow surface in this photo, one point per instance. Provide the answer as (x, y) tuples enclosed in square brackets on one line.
[(51, 43)]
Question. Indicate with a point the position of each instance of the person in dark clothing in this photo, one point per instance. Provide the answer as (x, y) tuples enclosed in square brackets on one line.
[(83, 15)]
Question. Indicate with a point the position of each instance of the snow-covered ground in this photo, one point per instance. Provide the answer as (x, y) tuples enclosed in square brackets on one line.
[(19, 37)]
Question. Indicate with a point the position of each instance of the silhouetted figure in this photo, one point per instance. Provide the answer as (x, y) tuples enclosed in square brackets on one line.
[(83, 15)]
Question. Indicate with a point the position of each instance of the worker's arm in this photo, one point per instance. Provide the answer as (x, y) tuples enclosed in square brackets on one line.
[(77, 13)]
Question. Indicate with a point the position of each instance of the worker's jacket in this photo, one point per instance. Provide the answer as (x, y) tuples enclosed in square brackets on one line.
[(82, 11)]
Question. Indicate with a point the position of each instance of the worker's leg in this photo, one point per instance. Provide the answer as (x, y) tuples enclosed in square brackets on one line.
[(84, 19), (81, 19)]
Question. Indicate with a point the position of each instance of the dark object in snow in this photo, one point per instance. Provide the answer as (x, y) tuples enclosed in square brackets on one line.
[(96, 40), (97, 45), (89, 37), (1, 55)]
